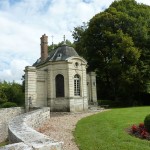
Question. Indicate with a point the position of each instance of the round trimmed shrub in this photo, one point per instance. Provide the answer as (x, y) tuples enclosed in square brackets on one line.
[(147, 122), (9, 104)]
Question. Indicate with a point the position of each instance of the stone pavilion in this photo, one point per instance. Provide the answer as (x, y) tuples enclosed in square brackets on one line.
[(59, 80)]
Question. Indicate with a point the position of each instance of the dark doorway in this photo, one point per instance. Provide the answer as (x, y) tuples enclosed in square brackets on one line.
[(59, 80)]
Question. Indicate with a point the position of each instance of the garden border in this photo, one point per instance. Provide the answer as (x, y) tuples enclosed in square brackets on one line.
[(21, 129)]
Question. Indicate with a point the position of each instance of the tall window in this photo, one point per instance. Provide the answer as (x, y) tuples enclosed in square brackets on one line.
[(77, 85), (59, 80)]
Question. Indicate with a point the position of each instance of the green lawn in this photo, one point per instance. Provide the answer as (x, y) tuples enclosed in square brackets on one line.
[(107, 130)]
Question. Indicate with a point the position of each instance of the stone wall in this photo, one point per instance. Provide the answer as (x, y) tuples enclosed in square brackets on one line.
[(21, 131), (6, 114)]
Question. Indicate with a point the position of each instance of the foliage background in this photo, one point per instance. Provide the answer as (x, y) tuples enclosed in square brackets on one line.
[(11, 92), (116, 44)]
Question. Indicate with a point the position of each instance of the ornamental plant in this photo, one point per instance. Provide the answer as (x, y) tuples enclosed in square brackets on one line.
[(134, 129), (140, 131)]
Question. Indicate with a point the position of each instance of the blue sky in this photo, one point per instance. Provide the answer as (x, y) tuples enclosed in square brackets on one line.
[(23, 22)]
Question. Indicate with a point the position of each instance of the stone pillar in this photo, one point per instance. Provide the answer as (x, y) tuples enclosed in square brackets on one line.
[(92, 86), (30, 87), (84, 87), (44, 47)]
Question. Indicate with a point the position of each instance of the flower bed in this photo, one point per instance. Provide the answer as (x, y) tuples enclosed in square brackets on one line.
[(140, 131)]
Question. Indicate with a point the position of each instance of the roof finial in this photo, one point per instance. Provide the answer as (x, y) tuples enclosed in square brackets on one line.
[(64, 39), (52, 42)]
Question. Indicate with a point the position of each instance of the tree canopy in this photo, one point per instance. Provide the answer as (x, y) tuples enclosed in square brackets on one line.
[(116, 44), (11, 92)]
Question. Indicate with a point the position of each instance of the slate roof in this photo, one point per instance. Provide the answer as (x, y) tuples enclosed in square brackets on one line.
[(61, 53)]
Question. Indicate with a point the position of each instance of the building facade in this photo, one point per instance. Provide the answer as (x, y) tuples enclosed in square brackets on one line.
[(58, 79)]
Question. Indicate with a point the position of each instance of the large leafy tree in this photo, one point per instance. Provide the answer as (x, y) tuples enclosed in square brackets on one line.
[(116, 44)]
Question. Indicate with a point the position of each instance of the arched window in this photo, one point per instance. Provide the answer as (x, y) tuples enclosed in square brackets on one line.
[(77, 85), (59, 80)]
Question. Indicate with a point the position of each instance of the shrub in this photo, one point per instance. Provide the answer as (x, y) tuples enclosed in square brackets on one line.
[(9, 104), (134, 128), (147, 122)]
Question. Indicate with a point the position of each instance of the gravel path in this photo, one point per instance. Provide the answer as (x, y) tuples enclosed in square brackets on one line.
[(60, 126)]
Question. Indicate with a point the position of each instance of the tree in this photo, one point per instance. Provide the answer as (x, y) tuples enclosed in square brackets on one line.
[(116, 45), (11, 92), (77, 34), (3, 97), (15, 93)]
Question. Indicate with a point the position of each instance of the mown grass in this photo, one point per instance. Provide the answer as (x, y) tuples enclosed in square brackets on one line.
[(107, 130)]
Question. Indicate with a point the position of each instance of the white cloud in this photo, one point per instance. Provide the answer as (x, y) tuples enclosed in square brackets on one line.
[(15, 71), (147, 2), (23, 22)]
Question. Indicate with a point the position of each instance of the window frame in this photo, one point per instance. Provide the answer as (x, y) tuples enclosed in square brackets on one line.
[(77, 85)]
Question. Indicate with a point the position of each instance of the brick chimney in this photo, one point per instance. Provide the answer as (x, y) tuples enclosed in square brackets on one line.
[(44, 47)]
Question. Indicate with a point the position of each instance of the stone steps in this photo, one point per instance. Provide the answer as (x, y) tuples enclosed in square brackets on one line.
[(95, 108)]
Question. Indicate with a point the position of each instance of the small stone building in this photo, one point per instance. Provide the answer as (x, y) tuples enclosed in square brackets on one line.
[(58, 79)]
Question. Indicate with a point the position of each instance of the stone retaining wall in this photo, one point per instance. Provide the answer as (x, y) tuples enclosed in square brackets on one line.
[(21, 129), (6, 114)]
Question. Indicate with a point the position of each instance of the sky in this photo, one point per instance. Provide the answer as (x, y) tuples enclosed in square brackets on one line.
[(23, 22)]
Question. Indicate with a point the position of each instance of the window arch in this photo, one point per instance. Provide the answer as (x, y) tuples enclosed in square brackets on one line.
[(59, 80), (77, 85)]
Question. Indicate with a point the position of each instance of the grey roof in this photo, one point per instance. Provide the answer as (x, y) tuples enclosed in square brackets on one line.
[(61, 53)]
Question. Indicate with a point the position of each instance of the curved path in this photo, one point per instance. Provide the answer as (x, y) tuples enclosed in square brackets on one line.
[(61, 125)]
